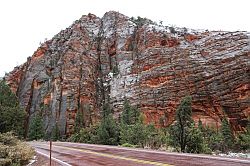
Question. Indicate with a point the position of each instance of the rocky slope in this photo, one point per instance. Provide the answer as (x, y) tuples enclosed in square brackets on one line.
[(108, 59)]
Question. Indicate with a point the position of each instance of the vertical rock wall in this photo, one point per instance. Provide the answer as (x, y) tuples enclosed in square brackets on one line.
[(108, 59)]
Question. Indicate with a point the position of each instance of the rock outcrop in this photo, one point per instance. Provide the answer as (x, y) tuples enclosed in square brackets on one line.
[(108, 59)]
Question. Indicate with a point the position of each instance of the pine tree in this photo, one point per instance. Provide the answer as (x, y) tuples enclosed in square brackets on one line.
[(227, 134), (134, 134), (179, 132), (130, 114), (36, 130), (79, 122), (132, 129), (196, 142), (126, 113), (108, 132), (55, 135), (12, 116)]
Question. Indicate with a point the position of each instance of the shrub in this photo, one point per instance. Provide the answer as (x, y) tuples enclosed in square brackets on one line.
[(243, 140), (85, 135), (115, 70), (128, 145), (14, 151), (172, 30)]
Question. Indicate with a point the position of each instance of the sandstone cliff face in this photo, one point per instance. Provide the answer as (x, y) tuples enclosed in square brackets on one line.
[(108, 59)]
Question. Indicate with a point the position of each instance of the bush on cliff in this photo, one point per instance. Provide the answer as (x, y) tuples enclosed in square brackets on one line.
[(14, 151)]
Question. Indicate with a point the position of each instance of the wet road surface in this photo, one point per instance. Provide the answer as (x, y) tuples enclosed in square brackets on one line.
[(77, 154)]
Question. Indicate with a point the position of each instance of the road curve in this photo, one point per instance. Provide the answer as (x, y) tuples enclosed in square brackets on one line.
[(77, 154)]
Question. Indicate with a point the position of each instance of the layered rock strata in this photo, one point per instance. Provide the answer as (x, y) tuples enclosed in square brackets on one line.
[(105, 60)]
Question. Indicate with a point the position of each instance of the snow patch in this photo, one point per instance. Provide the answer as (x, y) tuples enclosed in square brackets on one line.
[(125, 67)]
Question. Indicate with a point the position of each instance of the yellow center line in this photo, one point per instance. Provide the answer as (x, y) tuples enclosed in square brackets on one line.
[(115, 156)]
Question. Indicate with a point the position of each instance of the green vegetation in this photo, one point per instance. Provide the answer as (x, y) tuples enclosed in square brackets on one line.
[(13, 151), (36, 130), (129, 132), (79, 122), (12, 116), (183, 135), (243, 140), (180, 131), (55, 134), (139, 21), (115, 70), (85, 135), (227, 134), (172, 30), (128, 145), (107, 132)]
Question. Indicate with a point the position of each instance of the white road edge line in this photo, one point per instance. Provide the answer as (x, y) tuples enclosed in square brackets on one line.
[(55, 159)]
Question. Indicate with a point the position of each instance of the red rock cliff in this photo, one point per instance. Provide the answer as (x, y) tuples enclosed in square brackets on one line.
[(108, 59)]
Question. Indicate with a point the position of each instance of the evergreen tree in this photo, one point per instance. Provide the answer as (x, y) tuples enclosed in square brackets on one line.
[(134, 134), (130, 114), (151, 136), (79, 122), (126, 113), (108, 132), (180, 131), (227, 134), (196, 143), (213, 139), (55, 135), (12, 116), (36, 130), (243, 140), (132, 129)]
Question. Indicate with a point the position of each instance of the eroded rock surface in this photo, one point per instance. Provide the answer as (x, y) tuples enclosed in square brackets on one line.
[(108, 59)]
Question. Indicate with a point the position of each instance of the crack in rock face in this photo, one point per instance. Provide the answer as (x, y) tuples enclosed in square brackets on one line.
[(113, 58)]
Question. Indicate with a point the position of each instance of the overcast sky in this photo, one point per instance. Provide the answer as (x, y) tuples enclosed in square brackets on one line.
[(26, 23)]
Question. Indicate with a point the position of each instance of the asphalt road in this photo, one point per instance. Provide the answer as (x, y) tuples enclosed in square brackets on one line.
[(76, 154)]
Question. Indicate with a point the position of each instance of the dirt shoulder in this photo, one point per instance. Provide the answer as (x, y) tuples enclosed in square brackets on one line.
[(41, 160)]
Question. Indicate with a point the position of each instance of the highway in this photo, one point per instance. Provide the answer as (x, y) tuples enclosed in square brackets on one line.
[(78, 154)]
